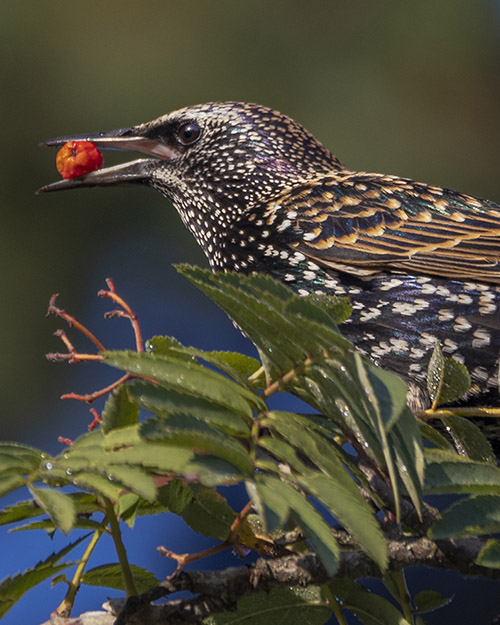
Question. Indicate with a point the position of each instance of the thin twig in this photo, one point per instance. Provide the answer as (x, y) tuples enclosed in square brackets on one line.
[(54, 310)]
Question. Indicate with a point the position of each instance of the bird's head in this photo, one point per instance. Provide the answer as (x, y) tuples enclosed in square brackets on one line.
[(213, 161)]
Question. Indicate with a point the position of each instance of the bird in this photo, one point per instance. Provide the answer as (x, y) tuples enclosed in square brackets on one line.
[(419, 263)]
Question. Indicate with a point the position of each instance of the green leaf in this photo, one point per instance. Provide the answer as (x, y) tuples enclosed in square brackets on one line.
[(168, 458), (447, 379), (134, 478), (167, 401), (270, 502), (448, 473), (9, 483), (21, 459), (229, 362), (381, 420), (469, 517), (433, 436), (190, 432), (293, 606), (25, 510), (168, 346), (99, 484), (469, 440), (57, 506), (175, 496), (351, 510), (371, 609), (390, 391), (429, 600), (13, 588), (339, 308), (305, 515), (333, 388), (188, 377), (33, 455), (336, 490), (296, 429), (119, 411), (48, 526), (126, 508), (110, 576), (208, 512), (237, 366), (489, 556), (259, 305), (406, 442)]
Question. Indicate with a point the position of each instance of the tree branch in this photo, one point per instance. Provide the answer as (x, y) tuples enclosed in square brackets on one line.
[(219, 591)]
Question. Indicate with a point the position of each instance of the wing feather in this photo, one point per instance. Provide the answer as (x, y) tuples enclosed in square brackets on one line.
[(374, 223)]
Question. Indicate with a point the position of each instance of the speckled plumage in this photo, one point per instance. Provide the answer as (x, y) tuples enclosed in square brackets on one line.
[(259, 193)]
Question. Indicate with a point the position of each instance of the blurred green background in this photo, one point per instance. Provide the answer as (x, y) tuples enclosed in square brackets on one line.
[(410, 88)]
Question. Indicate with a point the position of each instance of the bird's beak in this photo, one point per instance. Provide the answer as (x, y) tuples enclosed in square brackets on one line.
[(133, 172)]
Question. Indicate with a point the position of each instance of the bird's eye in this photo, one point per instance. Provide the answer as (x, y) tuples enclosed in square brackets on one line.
[(189, 133)]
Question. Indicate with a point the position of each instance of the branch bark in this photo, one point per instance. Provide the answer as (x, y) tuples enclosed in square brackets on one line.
[(219, 591)]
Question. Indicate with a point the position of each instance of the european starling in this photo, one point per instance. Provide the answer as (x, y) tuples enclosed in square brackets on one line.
[(259, 193)]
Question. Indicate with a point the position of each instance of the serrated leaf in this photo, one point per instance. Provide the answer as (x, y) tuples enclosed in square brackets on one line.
[(270, 503), (370, 608), (305, 515), (237, 366), (175, 496), (134, 478), (433, 436), (333, 388), (380, 421), (293, 606), (335, 489), (429, 600), (168, 346), (198, 436), (166, 401), (57, 506), (489, 556), (469, 440), (406, 442), (9, 483), (110, 576), (20, 458), (208, 512), (391, 394), (188, 377), (22, 511), (351, 510), (99, 484), (283, 453), (24, 453), (469, 517), (164, 457), (115, 439), (119, 411), (258, 304), (126, 508), (447, 379), (448, 473), (13, 588), (339, 308), (296, 430), (48, 526), (234, 361)]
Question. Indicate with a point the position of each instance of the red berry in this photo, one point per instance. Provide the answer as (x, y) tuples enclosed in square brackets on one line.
[(77, 158)]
